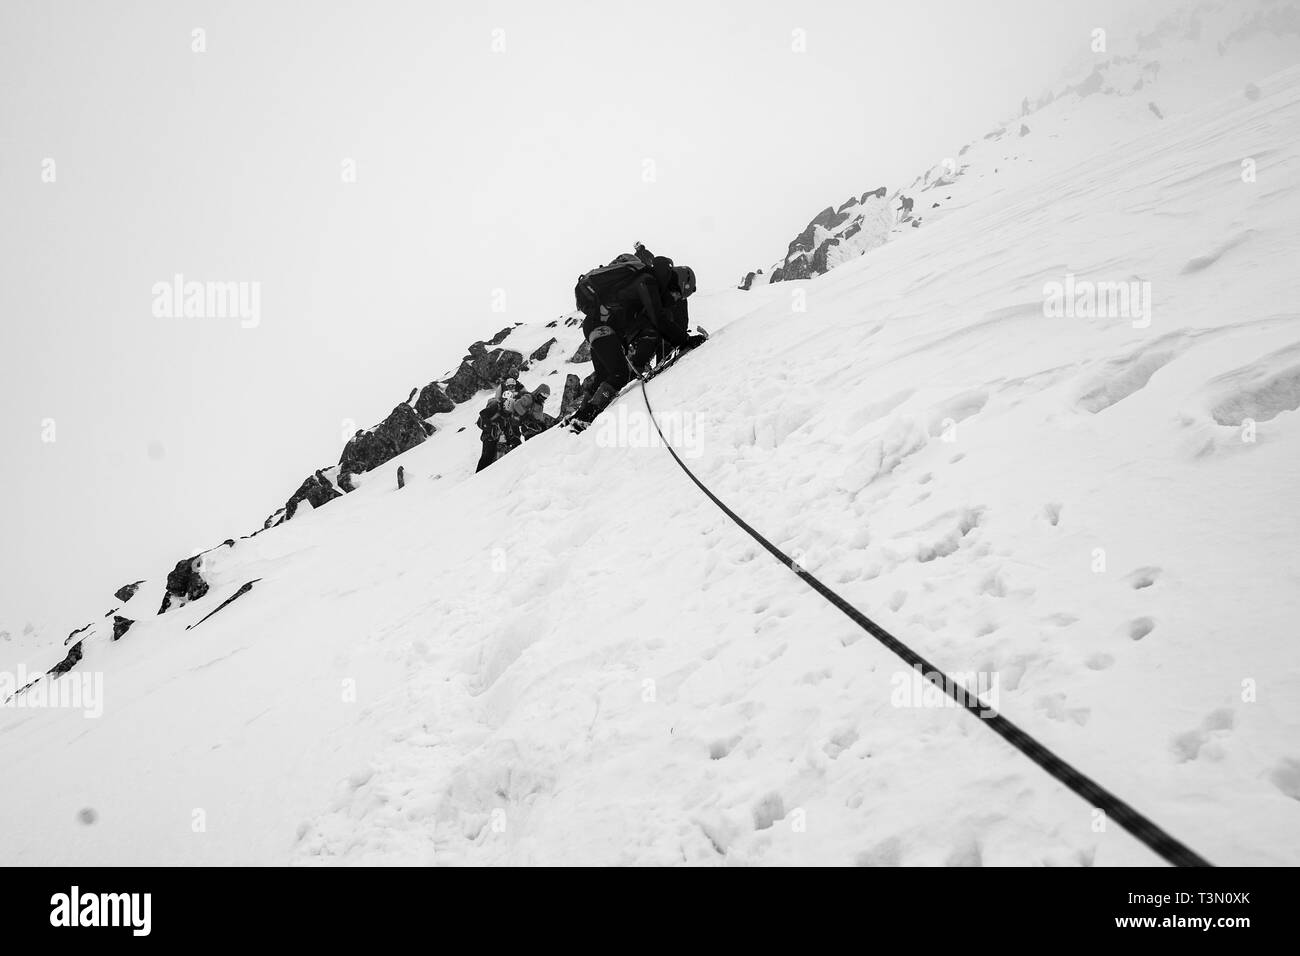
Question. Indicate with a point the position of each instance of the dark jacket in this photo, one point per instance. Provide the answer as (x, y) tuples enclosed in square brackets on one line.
[(644, 303)]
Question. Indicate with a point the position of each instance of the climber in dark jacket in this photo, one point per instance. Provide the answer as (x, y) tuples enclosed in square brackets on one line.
[(647, 317), (499, 432)]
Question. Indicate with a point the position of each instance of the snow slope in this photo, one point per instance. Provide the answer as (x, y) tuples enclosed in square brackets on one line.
[(574, 658), (1143, 78)]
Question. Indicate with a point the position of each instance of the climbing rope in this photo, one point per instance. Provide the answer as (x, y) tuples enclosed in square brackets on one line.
[(1139, 825)]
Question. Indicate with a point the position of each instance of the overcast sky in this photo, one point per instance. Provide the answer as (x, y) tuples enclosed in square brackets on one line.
[(495, 146)]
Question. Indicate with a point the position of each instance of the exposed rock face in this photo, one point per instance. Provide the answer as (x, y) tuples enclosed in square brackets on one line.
[(316, 490), (184, 584), (796, 268), (583, 354), (68, 663), (542, 350), (819, 257), (433, 401), (834, 236), (500, 336), (127, 591), (120, 626), (572, 394), (482, 369), (401, 430)]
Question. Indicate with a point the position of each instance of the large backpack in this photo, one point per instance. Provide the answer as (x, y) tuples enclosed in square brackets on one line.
[(597, 289)]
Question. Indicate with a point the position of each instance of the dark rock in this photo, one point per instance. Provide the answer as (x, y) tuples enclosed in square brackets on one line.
[(184, 583), (482, 369), (502, 364), (127, 591), (500, 336), (412, 395), (819, 266), (747, 283), (852, 231), (553, 323), (1024, 130), (401, 476), (572, 394), (120, 626), (877, 193), (68, 663), (572, 320), (433, 401), (778, 274), (73, 634), (316, 490), (851, 201), (797, 268), (828, 218), (1155, 109), (539, 353), (583, 353), (402, 430)]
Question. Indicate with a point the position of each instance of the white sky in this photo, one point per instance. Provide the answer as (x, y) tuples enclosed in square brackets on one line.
[(475, 171)]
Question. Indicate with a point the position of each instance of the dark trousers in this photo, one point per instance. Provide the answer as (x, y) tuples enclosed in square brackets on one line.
[(489, 454)]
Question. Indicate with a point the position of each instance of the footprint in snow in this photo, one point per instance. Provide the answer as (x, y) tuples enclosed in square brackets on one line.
[(1140, 627), (1192, 744), (1142, 578)]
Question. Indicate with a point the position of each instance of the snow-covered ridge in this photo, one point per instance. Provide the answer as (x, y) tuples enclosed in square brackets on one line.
[(1134, 83), (532, 352)]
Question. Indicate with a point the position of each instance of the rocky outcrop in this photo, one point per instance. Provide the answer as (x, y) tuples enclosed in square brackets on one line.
[(120, 626), (67, 664), (127, 591), (184, 584), (482, 369), (433, 401), (819, 265), (500, 336), (583, 353), (796, 268), (747, 283), (539, 353), (827, 219), (402, 430), (315, 490)]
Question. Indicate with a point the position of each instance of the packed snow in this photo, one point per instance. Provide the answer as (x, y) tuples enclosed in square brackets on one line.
[(574, 658)]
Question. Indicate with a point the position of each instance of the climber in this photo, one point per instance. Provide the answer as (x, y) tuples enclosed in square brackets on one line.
[(529, 411), (635, 310), (500, 431)]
